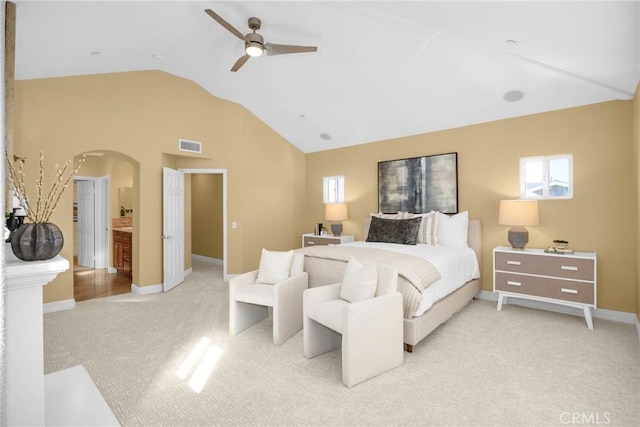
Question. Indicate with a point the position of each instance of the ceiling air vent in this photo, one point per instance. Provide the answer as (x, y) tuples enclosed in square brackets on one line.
[(190, 146)]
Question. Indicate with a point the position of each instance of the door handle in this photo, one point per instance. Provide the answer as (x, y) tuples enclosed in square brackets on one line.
[(167, 237)]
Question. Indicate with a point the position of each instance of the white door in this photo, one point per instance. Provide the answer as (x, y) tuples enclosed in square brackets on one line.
[(172, 228), (86, 243), (101, 228)]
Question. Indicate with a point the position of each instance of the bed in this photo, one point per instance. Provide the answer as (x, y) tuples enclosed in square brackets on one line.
[(425, 306)]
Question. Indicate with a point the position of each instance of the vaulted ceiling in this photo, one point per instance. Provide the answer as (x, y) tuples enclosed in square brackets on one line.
[(383, 69)]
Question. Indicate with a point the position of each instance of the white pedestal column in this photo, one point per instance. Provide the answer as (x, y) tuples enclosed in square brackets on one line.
[(24, 336)]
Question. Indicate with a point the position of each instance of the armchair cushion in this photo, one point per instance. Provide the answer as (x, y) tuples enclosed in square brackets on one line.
[(256, 293), (359, 281), (329, 313), (274, 266)]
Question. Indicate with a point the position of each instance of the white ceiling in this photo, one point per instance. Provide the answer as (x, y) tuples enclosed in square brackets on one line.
[(384, 69)]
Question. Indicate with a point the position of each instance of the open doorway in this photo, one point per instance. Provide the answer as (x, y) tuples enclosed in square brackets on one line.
[(96, 205), (207, 226)]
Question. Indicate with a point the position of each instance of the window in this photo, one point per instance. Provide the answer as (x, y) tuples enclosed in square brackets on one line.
[(546, 177), (333, 189)]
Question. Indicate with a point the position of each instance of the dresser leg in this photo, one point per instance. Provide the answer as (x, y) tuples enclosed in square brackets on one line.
[(587, 317), (501, 299)]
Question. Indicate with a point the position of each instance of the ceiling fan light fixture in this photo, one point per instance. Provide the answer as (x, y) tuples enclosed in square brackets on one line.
[(253, 49), (254, 45)]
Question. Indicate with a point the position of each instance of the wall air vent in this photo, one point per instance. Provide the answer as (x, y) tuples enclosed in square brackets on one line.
[(190, 146)]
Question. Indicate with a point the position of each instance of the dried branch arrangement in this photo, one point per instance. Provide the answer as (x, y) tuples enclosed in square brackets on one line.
[(45, 204)]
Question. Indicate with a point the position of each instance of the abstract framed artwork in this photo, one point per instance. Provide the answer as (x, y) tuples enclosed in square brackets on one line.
[(419, 184)]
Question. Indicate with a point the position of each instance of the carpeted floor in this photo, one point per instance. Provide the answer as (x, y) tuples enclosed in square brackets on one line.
[(516, 367)]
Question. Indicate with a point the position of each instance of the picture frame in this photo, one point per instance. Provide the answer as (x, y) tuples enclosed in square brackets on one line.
[(419, 184)]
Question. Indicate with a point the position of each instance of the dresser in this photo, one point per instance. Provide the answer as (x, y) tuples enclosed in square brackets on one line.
[(533, 274), (311, 239)]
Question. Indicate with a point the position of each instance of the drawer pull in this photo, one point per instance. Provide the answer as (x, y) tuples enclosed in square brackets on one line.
[(514, 263), (569, 291), (568, 268), (511, 283)]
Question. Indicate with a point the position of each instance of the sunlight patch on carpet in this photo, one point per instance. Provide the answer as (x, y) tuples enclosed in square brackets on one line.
[(204, 358)]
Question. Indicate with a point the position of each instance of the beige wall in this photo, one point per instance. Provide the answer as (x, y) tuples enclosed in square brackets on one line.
[(206, 215), (601, 216), (142, 115)]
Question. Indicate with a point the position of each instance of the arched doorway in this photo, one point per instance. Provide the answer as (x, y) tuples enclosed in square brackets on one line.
[(103, 201)]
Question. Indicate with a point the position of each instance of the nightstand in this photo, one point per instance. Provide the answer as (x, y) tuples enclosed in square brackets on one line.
[(311, 239), (533, 274)]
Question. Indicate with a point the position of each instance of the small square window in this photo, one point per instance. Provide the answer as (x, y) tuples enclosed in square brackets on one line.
[(546, 177), (333, 189)]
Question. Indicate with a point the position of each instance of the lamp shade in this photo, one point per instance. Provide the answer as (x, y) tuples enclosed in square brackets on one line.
[(336, 212), (518, 212)]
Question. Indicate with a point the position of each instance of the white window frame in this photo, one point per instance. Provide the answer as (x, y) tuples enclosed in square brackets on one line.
[(333, 189), (546, 177)]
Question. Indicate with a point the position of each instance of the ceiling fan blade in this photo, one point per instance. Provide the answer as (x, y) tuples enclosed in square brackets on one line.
[(240, 62), (281, 49), (225, 24)]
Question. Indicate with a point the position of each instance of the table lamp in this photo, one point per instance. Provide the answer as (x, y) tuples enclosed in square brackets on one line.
[(336, 213), (518, 214)]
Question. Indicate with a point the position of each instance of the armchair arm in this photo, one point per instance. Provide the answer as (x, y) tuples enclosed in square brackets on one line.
[(379, 314), (290, 287), (321, 294), (287, 307), (241, 280), (372, 326)]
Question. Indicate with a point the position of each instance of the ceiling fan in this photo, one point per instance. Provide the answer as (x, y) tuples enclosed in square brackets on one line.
[(254, 44)]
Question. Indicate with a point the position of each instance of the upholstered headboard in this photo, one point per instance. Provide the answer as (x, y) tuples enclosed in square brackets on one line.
[(474, 238)]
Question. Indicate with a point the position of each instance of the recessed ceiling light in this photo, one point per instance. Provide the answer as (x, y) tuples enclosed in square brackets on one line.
[(325, 136), (513, 96), (158, 56), (510, 41), (95, 53), (302, 116)]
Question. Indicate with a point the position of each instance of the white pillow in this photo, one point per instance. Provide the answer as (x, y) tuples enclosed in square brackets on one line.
[(453, 230), (428, 232), (274, 266), (359, 281)]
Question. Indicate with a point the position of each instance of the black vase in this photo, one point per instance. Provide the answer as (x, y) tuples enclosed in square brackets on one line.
[(37, 241)]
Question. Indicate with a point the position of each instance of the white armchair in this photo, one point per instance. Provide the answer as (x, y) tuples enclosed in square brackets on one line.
[(249, 300), (369, 329)]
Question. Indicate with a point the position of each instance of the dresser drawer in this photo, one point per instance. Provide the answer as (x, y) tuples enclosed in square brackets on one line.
[(317, 241), (566, 290), (556, 266)]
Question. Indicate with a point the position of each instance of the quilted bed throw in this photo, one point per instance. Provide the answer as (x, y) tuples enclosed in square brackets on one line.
[(326, 265)]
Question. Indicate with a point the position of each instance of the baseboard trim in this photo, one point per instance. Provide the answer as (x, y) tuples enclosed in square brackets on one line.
[(207, 259), (145, 290), (51, 307), (600, 313), (188, 272), (638, 327)]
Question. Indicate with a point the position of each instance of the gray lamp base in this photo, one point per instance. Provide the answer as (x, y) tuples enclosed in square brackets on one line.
[(518, 237), (336, 229)]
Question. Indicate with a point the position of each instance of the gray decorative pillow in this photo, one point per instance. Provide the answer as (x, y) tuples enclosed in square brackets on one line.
[(402, 231)]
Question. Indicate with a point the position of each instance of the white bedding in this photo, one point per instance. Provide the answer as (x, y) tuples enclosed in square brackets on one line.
[(456, 267)]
